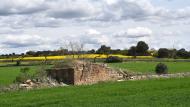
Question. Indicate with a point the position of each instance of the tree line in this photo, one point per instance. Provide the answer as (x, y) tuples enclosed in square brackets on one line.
[(141, 49)]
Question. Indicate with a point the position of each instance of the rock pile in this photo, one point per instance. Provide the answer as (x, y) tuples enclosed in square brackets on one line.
[(154, 76), (29, 84), (32, 84)]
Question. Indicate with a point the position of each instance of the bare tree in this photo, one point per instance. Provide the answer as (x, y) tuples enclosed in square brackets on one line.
[(20, 58), (80, 49), (72, 47), (76, 48), (12, 57)]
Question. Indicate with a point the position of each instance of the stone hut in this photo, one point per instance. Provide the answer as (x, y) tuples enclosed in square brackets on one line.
[(84, 73)]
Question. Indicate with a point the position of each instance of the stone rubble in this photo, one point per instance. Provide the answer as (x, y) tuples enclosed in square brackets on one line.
[(84, 73), (154, 76), (29, 84)]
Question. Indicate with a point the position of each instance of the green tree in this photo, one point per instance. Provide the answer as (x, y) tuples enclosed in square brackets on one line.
[(104, 50), (132, 51), (142, 48), (182, 53), (163, 53)]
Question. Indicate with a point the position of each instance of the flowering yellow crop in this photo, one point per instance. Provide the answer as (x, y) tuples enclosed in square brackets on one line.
[(87, 56)]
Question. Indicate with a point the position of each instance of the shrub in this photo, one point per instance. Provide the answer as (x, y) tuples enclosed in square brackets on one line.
[(18, 63), (113, 59), (163, 53), (182, 53), (68, 63), (40, 74), (161, 68), (23, 76)]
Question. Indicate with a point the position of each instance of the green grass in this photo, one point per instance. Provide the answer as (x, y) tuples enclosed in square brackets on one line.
[(8, 74), (147, 93), (149, 67)]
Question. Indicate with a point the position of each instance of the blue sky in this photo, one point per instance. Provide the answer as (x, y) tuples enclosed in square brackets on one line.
[(49, 24)]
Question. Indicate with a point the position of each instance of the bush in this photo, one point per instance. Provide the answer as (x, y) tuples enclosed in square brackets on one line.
[(113, 59), (40, 74), (68, 63), (18, 63), (23, 76), (161, 68), (182, 53), (163, 53)]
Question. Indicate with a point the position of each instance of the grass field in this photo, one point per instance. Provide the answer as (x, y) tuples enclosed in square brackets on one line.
[(8, 74), (149, 67), (152, 93)]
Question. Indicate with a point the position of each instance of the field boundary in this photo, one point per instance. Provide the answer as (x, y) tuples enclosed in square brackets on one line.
[(155, 76)]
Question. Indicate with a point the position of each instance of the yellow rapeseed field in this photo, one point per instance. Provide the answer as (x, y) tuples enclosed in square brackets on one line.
[(88, 56)]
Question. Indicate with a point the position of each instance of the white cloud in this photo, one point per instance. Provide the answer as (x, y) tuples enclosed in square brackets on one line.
[(137, 32), (43, 13), (95, 22), (8, 7), (93, 32), (94, 37), (102, 10), (19, 41), (69, 9), (139, 10)]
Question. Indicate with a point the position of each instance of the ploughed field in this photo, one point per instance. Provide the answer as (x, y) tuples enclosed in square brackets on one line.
[(152, 93), (149, 67)]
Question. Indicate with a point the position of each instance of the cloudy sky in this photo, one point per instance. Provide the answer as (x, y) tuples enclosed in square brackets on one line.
[(49, 24)]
